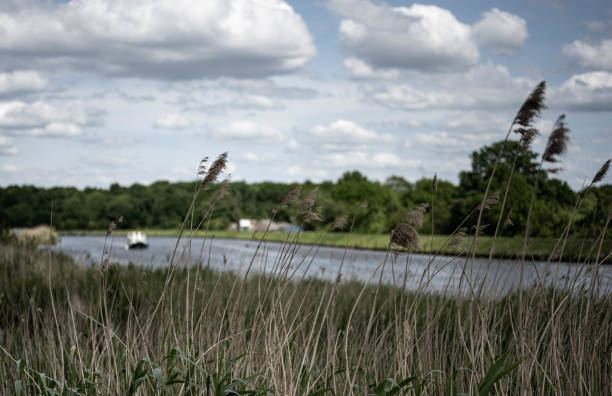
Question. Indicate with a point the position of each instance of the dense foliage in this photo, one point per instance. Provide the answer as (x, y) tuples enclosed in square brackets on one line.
[(162, 204)]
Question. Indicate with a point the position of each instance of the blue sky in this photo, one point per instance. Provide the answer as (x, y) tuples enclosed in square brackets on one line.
[(102, 91)]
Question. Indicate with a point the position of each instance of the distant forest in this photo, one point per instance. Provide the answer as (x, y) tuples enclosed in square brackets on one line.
[(163, 204)]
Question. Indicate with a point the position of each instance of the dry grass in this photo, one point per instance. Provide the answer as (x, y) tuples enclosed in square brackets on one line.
[(269, 330), (40, 235)]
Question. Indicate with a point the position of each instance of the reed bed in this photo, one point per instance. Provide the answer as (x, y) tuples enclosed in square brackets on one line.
[(268, 329)]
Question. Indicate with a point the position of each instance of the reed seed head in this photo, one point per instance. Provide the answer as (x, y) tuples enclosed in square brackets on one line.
[(527, 136), (309, 201), (557, 141), (601, 173), (202, 166), (340, 223), (457, 238), (215, 169), (292, 196), (313, 215), (223, 188), (435, 182), (532, 106), (490, 201), (415, 216), (405, 236)]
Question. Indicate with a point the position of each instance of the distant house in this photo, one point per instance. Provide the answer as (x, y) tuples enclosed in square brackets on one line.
[(262, 225), (245, 225)]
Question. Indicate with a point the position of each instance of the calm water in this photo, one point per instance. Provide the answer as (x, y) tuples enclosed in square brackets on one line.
[(403, 270)]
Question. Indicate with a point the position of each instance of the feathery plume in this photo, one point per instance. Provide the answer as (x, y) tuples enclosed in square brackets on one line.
[(527, 136), (215, 169), (202, 167), (309, 201), (557, 141), (313, 215), (490, 201), (292, 196), (339, 223), (222, 188), (532, 106), (458, 238), (435, 182), (415, 216), (601, 173), (405, 236)]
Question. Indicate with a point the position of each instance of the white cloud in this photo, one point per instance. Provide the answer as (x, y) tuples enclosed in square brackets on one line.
[(597, 57), (483, 86), (172, 121), (588, 91), (455, 142), (346, 133), (386, 159), (10, 168), (500, 30), (246, 131), (21, 81), (599, 26), (367, 160), (166, 39), (250, 157), (421, 37), (257, 102), (41, 118), (6, 146), (361, 70)]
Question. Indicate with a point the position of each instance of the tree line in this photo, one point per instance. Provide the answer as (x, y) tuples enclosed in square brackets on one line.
[(163, 204)]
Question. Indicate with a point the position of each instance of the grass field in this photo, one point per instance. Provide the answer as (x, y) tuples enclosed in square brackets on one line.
[(109, 329), (112, 329)]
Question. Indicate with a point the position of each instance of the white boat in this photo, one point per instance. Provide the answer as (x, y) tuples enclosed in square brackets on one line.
[(136, 240)]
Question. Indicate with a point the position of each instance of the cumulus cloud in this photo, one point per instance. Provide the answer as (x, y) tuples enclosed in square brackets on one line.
[(10, 168), (364, 160), (6, 146), (588, 92), (45, 119), (598, 56), (599, 26), (361, 70), (172, 121), (21, 81), (420, 37), (500, 30), (248, 131), (257, 102), (163, 39), (483, 86), (346, 132)]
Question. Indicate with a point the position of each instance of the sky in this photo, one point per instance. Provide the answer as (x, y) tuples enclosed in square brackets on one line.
[(95, 92)]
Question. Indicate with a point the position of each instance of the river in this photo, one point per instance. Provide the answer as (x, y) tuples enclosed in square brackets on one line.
[(410, 271)]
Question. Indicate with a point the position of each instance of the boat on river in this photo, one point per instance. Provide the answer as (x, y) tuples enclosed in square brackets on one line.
[(136, 240)]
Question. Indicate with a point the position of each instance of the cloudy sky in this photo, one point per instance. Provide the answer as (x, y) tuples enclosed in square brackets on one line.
[(94, 92)]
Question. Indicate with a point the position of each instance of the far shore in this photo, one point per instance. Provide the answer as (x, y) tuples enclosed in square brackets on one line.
[(576, 250)]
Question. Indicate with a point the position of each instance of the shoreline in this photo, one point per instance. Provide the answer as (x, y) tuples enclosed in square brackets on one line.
[(507, 248)]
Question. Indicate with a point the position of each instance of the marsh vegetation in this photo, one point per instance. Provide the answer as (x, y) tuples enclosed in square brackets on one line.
[(185, 329)]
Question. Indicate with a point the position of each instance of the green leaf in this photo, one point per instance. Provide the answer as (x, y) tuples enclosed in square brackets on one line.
[(18, 388)]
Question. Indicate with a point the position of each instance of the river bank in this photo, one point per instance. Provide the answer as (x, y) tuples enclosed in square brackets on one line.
[(575, 250)]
